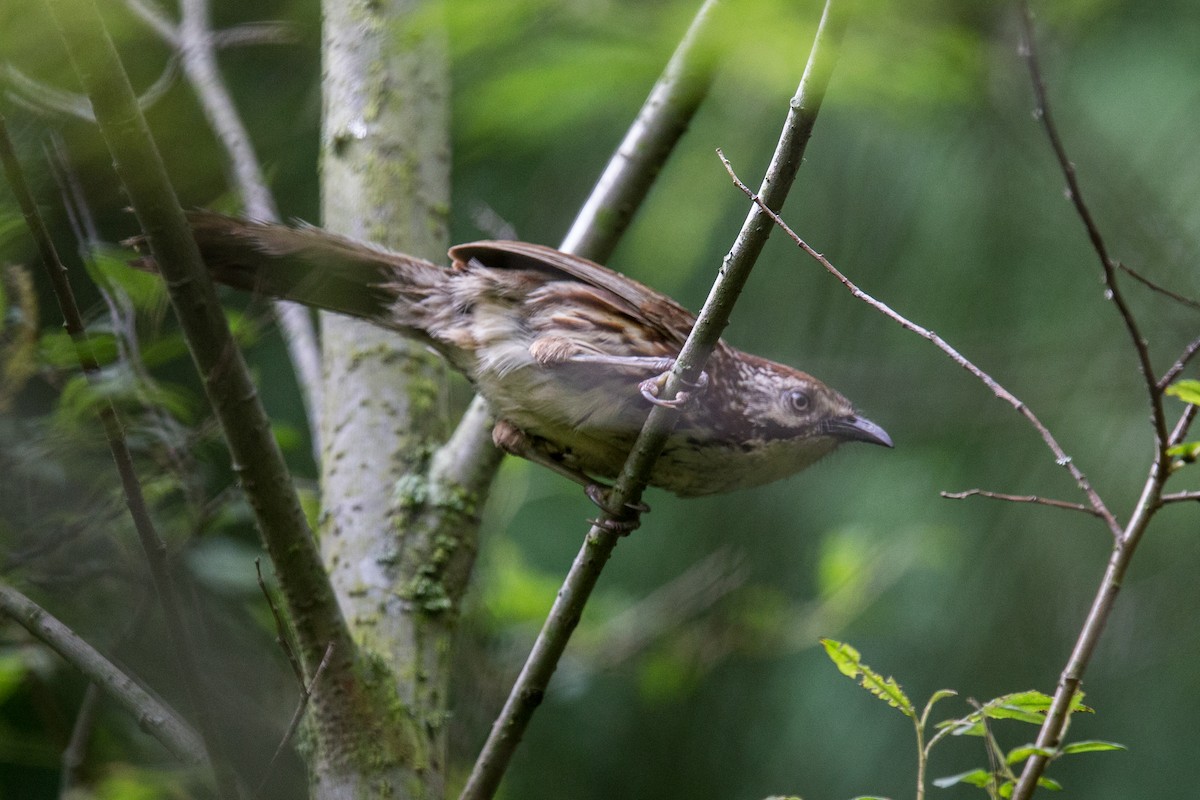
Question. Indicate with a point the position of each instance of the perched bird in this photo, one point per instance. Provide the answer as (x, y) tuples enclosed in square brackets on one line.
[(566, 352)]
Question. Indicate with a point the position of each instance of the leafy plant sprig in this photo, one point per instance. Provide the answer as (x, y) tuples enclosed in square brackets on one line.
[(999, 779)]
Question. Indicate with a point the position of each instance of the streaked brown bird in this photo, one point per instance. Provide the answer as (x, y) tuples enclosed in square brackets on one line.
[(567, 353)]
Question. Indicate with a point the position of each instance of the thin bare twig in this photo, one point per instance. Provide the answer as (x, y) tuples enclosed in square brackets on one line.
[(1060, 456), (1180, 497), (281, 628), (1027, 498), (1180, 364), (75, 753), (602, 538), (1107, 263), (1142, 279), (306, 691), (1180, 432)]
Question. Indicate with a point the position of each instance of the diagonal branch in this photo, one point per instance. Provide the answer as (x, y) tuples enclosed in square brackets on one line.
[(154, 548), (660, 123), (160, 721), (255, 454), (1060, 456), (603, 536), (196, 45)]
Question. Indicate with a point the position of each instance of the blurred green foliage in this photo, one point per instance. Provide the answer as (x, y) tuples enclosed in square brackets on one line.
[(926, 181)]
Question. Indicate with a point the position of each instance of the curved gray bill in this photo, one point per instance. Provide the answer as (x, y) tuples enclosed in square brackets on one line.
[(859, 429)]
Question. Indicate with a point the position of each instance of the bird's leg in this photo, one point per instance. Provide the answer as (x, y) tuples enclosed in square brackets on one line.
[(513, 440), (651, 387)]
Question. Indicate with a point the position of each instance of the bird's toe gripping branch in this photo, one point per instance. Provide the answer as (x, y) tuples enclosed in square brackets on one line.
[(622, 520), (652, 387)]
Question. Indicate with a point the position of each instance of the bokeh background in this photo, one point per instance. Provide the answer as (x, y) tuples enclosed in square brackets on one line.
[(697, 671)]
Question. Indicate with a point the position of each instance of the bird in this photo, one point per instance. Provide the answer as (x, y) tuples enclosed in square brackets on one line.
[(570, 355)]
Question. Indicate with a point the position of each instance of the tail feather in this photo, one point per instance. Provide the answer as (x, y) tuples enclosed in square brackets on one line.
[(307, 265)]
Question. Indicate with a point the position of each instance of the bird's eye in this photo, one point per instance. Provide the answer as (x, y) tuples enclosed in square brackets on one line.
[(798, 400)]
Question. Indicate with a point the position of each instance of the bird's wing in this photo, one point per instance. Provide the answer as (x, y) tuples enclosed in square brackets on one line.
[(627, 295)]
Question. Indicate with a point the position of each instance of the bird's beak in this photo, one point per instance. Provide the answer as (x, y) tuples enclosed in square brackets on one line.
[(859, 429)]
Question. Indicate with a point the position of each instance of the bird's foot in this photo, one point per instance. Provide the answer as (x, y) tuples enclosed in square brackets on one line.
[(623, 520), (652, 387)]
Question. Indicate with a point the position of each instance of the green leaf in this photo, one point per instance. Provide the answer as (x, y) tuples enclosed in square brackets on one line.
[(969, 725), (1092, 746), (13, 672), (58, 350), (844, 657), (1049, 783), (1019, 754), (111, 270), (1015, 712), (1188, 391), (849, 663), (1029, 706), (1188, 452), (163, 349), (1030, 700), (939, 695), (975, 777)]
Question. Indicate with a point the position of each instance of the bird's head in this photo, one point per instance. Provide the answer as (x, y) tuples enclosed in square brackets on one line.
[(789, 420)]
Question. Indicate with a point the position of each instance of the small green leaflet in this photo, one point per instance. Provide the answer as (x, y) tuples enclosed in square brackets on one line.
[(849, 662), (1092, 746), (1188, 452), (975, 777), (1188, 391), (1019, 754)]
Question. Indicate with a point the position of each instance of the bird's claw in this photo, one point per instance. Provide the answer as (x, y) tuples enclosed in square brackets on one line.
[(621, 527), (623, 520), (651, 387)]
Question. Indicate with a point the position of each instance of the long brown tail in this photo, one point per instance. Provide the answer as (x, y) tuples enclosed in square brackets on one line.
[(308, 265)]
